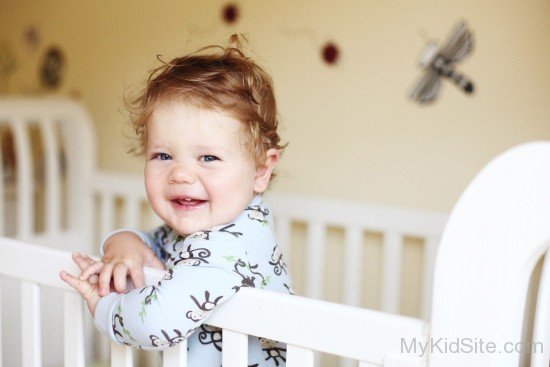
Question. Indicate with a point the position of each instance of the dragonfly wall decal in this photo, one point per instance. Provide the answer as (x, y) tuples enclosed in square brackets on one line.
[(438, 61)]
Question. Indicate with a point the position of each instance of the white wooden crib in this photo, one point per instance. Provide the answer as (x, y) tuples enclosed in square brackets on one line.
[(492, 281)]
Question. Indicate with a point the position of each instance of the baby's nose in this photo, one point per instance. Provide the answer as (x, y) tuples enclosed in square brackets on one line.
[(181, 174)]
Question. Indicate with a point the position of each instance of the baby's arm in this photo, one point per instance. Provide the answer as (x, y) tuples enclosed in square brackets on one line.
[(124, 253), (166, 313)]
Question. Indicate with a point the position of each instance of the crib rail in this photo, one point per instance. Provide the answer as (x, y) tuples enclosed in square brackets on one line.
[(319, 214), (305, 325)]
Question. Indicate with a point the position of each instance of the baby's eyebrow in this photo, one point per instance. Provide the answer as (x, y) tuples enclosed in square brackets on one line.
[(211, 149)]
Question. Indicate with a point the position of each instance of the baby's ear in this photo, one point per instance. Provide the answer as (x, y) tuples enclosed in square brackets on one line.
[(263, 172)]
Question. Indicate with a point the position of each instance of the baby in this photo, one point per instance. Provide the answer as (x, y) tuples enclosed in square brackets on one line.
[(207, 126)]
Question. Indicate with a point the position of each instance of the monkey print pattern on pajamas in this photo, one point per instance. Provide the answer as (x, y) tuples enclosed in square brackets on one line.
[(204, 270)]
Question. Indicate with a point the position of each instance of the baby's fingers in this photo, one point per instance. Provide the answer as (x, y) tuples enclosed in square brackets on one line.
[(90, 271), (120, 272), (81, 286), (105, 279), (82, 261)]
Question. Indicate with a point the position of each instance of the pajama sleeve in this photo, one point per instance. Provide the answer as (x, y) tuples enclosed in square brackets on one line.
[(161, 315)]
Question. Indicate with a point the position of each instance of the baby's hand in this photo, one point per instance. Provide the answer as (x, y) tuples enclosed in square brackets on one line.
[(89, 291), (124, 254)]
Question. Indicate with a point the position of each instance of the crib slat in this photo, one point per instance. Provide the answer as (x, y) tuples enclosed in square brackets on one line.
[(282, 228), (73, 330), (315, 260), (430, 250), (353, 255), (106, 226), (30, 324), (107, 214), (352, 271), (25, 217), (131, 215), (53, 212), (235, 349), (175, 356), (121, 355), (299, 357), (391, 272)]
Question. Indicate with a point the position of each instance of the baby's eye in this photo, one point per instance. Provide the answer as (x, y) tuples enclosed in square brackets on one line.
[(209, 158), (161, 156)]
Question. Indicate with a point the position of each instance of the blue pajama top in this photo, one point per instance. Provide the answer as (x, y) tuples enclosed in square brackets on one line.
[(204, 270)]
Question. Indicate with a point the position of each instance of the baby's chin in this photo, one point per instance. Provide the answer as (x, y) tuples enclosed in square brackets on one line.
[(187, 227)]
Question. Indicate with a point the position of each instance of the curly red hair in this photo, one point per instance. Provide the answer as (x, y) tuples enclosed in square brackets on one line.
[(216, 78)]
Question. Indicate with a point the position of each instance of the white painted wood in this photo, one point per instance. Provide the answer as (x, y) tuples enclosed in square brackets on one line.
[(25, 193), (392, 253), (131, 212), (118, 184), (299, 357), (367, 364), (309, 323), (121, 355), (52, 175), (30, 325), (345, 362), (430, 251), (397, 361), (73, 330), (175, 356), (283, 230), (353, 255), (495, 236), (107, 214), (315, 259), (235, 349), (342, 213), (318, 325), (541, 329)]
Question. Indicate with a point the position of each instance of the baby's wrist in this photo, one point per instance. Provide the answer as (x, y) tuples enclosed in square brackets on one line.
[(122, 235)]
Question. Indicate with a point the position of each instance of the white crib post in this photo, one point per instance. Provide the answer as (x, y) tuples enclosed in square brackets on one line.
[(131, 217), (25, 194), (235, 349), (73, 330), (352, 269), (391, 272), (175, 356), (282, 228), (121, 355), (430, 250), (53, 197), (315, 260), (299, 357), (30, 324), (107, 215)]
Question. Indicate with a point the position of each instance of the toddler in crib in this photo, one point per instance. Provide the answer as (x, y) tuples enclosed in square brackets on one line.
[(207, 126)]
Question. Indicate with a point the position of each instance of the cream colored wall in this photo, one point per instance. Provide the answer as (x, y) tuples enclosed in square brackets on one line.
[(353, 134)]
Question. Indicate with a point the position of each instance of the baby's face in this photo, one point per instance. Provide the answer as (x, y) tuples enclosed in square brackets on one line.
[(197, 174)]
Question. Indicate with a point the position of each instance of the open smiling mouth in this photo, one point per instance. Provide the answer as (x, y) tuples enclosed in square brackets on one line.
[(187, 204)]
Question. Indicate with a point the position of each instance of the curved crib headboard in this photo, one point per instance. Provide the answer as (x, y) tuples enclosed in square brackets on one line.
[(48, 154), (496, 235)]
